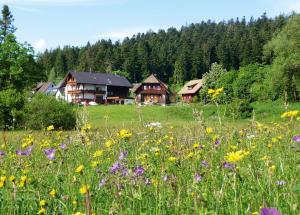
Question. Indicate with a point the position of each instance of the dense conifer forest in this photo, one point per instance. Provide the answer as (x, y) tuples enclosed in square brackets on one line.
[(175, 55)]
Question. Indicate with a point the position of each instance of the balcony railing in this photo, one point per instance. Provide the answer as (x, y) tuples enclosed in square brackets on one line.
[(152, 91), (72, 83), (77, 91)]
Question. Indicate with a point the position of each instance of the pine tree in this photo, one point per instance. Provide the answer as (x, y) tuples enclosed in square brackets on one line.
[(6, 23)]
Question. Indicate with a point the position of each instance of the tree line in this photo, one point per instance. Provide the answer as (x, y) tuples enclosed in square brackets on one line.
[(175, 56)]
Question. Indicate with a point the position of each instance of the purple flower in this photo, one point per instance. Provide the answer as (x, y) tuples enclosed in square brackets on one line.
[(102, 182), (63, 146), (280, 182), (204, 163), (197, 177), (139, 171), (269, 211), (217, 142), (115, 167), (123, 155), (227, 165), (2, 153), (296, 138), (125, 172), (147, 181), (26, 152), (50, 153)]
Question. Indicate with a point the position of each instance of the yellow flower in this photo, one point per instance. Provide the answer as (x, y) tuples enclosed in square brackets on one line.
[(79, 169), (84, 189), (209, 130), (156, 151), (269, 145), (190, 155), (98, 153), (233, 157), (154, 181), (290, 114), (50, 128), (124, 134), (95, 163), (109, 143), (23, 181), (42, 211), (85, 128), (215, 93), (2, 184), (211, 91), (196, 145), (43, 202), (12, 178), (3, 178), (272, 168), (53, 193), (172, 159), (78, 213)]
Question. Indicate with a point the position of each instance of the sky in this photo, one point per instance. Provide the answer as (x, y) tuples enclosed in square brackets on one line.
[(52, 23)]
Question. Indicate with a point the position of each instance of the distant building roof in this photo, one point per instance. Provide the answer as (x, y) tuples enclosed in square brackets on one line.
[(135, 86), (43, 87), (191, 87), (152, 79), (98, 78)]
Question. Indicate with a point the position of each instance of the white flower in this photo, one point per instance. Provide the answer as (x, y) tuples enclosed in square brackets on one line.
[(154, 125)]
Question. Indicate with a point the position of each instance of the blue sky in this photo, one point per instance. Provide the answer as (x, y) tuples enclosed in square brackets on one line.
[(52, 23)]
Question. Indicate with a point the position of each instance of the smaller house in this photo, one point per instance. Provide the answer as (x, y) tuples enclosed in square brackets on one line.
[(190, 90), (152, 91), (44, 87)]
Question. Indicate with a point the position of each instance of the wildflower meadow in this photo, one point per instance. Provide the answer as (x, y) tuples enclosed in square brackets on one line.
[(154, 168)]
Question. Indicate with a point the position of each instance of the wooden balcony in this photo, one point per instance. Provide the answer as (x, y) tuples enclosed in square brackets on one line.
[(96, 92), (153, 91), (72, 83)]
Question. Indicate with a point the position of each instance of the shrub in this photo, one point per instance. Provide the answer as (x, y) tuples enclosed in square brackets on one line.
[(43, 111), (11, 104), (240, 109), (210, 80)]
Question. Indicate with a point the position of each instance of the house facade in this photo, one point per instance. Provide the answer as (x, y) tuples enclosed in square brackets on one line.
[(87, 87), (152, 91), (190, 90)]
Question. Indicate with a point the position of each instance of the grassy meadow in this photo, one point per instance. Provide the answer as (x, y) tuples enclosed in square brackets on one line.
[(120, 162), (116, 116)]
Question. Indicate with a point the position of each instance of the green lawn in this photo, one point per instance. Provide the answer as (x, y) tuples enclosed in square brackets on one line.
[(132, 115)]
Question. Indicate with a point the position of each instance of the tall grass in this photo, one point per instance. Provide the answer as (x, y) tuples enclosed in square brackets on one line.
[(153, 169)]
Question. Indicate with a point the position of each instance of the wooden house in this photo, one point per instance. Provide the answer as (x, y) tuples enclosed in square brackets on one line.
[(93, 87), (190, 90), (152, 91)]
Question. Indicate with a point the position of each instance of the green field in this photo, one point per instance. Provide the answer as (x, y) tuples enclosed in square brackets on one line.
[(188, 165), (131, 115)]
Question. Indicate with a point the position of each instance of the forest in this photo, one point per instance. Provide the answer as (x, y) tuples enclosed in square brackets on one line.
[(175, 56)]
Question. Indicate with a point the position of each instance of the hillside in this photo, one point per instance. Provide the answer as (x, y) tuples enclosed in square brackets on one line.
[(174, 55)]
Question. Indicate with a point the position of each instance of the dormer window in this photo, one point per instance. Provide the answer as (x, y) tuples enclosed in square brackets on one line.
[(191, 87)]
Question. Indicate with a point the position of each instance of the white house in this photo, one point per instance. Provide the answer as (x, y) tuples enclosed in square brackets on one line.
[(91, 87)]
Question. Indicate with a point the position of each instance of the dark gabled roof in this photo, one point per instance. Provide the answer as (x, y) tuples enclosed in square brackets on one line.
[(100, 78)]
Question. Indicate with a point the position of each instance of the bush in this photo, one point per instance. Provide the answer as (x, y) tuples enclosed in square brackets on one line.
[(240, 109), (43, 111), (11, 104)]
